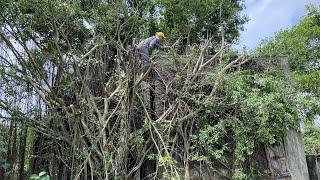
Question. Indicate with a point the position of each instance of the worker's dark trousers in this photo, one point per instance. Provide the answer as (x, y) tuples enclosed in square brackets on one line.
[(144, 55)]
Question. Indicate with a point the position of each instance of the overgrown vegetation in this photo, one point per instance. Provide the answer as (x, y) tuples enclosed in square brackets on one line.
[(77, 103), (302, 46)]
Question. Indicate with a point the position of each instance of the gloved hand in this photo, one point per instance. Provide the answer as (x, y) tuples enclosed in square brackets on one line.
[(165, 48)]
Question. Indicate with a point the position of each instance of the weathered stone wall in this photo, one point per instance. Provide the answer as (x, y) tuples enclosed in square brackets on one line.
[(296, 158)]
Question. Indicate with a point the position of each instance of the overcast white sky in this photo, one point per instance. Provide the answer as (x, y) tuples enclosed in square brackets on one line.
[(269, 16)]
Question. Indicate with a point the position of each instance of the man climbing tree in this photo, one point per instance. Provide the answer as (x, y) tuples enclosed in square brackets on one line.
[(146, 46)]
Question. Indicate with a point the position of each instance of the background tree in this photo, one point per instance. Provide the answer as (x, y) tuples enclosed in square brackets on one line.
[(193, 22)]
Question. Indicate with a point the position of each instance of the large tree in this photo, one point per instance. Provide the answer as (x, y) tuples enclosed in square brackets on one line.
[(87, 112)]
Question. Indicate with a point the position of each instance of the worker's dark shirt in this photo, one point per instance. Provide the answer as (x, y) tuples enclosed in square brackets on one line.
[(149, 44), (146, 46)]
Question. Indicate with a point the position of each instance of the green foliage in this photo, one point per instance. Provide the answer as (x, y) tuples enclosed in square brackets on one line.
[(165, 161), (41, 176), (311, 138), (262, 108), (239, 175), (211, 136), (308, 82), (137, 142), (195, 20)]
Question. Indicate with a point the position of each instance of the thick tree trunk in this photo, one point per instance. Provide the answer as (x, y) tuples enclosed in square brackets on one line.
[(12, 154), (9, 137), (22, 150), (32, 154)]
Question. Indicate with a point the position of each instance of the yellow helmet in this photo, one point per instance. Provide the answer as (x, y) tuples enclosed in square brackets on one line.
[(160, 35)]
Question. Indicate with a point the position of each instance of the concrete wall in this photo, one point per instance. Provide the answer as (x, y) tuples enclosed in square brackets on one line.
[(296, 158)]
